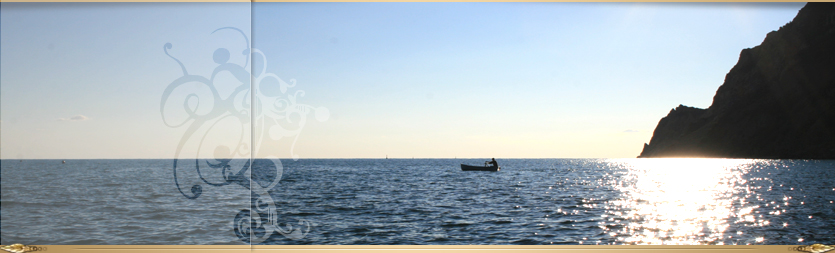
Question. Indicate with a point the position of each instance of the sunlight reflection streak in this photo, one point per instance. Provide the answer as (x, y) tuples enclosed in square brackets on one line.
[(680, 200)]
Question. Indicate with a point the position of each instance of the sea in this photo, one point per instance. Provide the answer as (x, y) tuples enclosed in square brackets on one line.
[(675, 201)]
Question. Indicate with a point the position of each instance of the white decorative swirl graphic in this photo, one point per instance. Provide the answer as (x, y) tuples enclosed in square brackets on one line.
[(231, 128)]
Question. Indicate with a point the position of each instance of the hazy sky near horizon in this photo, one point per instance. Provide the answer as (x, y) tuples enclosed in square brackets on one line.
[(424, 80)]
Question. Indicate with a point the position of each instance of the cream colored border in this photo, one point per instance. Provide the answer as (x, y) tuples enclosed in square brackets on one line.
[(244, 1), (415, 248), (125, 1), (627, 1), (410, 248)]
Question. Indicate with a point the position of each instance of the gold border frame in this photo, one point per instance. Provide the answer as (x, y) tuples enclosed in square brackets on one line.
[(253, 1), (418, 248)]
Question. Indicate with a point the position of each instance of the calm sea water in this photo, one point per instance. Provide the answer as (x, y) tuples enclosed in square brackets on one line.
[(431, 201)]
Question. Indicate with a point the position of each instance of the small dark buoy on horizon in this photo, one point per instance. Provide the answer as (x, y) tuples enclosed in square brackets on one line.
[(64, 161)]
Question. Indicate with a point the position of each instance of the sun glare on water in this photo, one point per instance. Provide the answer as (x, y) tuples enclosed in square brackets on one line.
[(679, 200)]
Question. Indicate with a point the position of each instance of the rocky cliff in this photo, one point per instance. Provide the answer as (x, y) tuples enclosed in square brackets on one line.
[(777, 102)]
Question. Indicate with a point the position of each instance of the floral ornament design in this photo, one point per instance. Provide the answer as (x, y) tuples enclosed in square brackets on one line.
[(814, 248), (20, 248), (230, 123)]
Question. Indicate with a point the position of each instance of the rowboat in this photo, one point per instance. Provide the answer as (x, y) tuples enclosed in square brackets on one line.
[(465, 167)]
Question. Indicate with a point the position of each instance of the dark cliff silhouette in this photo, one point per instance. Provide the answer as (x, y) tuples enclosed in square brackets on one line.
[(777, 102)]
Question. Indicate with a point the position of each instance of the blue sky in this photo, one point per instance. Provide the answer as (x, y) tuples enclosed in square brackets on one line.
[(431, 80)]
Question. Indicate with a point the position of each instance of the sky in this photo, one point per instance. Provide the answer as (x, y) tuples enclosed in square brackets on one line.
[(360, 80)]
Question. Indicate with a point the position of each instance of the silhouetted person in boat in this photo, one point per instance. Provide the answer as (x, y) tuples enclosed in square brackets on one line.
[(493, 163)]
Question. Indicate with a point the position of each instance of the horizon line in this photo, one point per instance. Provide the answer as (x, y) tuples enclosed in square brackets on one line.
[(376, 158)]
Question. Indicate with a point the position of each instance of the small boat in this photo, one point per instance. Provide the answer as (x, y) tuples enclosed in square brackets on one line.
[(465, 167)]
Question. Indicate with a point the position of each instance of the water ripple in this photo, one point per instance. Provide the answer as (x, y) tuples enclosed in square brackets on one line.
[(431, 201)]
